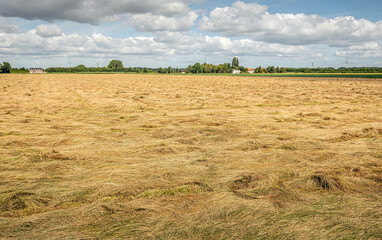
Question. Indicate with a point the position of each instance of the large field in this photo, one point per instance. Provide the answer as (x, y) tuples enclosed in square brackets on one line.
[(189, 157)]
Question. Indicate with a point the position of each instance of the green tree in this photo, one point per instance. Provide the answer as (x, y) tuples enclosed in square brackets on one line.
[(227, 68), (115, 64), (5, 68), (207, 68), (197, 68), (80, 68), (243, 69), (235, 62), (215, 68), (221, 68)]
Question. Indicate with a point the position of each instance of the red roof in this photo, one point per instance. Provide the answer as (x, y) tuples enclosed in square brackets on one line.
[(250, 69)]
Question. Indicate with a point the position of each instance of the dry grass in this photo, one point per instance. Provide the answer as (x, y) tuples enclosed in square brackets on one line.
[(189, 157)]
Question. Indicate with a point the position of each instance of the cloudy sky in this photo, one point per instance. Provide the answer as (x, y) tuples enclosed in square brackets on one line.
[(153, 33)]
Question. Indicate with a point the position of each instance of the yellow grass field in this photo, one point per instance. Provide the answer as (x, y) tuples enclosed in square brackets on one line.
[(189, 157)]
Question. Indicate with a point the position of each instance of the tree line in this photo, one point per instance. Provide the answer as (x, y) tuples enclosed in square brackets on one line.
[(83, 69), (324, 70), (117, 66), (114, 66)]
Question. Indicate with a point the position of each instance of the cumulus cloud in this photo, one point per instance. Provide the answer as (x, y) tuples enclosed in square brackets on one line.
[(254, 20), (31, 43), (153, 23), (225, 46), (89, 11), (248, 47), (8, 27), (47, 31), (173, 43), (364, 50)]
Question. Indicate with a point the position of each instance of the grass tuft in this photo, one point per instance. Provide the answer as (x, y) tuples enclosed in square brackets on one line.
[(329, 182), (21, 203)]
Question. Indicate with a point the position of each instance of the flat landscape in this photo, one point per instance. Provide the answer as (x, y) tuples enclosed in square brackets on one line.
[(190, 157)]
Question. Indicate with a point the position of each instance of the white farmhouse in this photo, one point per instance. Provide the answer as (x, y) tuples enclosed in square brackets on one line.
[(36, 70)]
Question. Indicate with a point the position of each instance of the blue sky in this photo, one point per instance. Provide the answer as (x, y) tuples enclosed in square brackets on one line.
[(153, 33)]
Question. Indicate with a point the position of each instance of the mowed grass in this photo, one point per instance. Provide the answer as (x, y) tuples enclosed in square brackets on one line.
[(189, 157)]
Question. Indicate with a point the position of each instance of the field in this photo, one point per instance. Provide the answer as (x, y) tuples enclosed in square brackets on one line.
[(321, 75), (190, 157)]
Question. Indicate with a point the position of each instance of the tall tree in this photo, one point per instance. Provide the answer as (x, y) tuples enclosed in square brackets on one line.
[(115, 64), (197, 68), (5, 68), (235, 62)]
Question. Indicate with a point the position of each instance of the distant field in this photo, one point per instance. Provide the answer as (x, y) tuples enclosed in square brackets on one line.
[(299, 75), (311, 75), (324, 75), (125, 156), (19, 71)]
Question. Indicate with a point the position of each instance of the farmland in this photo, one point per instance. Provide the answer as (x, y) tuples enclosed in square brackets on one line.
[(190, 157)]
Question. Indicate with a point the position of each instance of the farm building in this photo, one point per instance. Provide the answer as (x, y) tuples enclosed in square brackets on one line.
[(36, 70), (250, 70), (236, 71)]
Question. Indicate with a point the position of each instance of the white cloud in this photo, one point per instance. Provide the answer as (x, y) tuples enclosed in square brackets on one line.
[(248, 47), (166, 43), (8, 27), (364, 50), (154, 23), (47, 31), (253, 20), (31, 43)]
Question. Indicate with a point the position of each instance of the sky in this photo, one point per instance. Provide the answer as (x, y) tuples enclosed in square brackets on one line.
[(177, 33)]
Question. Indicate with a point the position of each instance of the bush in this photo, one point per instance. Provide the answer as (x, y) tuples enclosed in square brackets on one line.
[(115, 64), (5, 68)]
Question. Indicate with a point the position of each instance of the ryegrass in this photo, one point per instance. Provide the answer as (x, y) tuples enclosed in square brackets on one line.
[(189, 157)]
